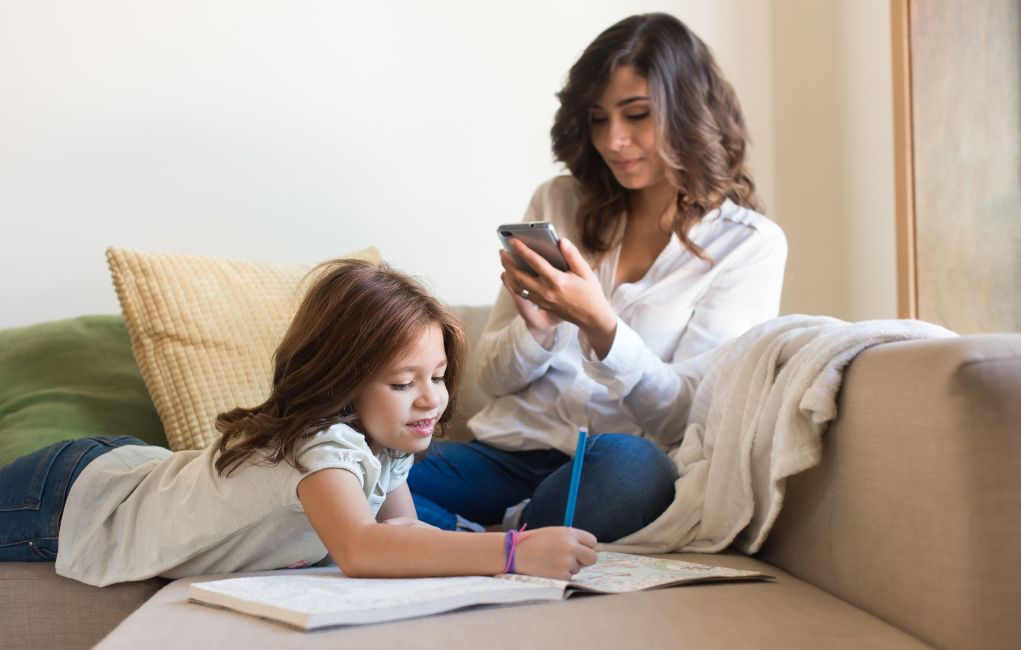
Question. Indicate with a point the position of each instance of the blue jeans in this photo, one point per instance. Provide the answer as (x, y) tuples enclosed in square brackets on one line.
[(33, 490), (626, 483)]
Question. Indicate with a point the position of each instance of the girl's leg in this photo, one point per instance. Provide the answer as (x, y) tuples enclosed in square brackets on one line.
[(475, 481), (626, 483), (33, 490)]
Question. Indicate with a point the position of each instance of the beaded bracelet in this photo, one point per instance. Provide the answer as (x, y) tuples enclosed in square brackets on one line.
[(510, 546)]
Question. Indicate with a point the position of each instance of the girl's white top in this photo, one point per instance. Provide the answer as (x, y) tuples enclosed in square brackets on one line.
[(668, 323), (138, 512)]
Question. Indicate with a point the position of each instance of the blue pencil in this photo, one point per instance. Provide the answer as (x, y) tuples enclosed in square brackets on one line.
[(572, 494)]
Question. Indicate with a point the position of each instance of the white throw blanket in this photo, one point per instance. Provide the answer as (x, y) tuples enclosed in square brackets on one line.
[(757, 418)]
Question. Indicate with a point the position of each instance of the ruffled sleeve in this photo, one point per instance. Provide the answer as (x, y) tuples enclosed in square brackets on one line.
[(340, 447)]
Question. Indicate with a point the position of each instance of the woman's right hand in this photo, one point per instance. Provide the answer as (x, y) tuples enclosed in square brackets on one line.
[(539, 322), (554, 552), (575, 295)]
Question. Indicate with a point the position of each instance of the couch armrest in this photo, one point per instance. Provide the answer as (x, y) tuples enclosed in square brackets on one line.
[(914, 513)]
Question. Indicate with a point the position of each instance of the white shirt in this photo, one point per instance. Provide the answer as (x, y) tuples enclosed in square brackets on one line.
[(138, 512), (667, 322)]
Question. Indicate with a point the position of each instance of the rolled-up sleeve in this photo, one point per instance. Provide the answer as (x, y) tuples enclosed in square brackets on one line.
[(658, 393), (507, 356)]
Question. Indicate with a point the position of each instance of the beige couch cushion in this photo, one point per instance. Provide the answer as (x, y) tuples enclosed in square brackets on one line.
[(203, 331), (470, 398), (786, 613)]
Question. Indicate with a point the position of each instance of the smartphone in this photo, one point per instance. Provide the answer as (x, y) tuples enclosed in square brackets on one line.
[(540, 236)]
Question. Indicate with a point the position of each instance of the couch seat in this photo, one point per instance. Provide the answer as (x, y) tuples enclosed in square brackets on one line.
[(785, 613)]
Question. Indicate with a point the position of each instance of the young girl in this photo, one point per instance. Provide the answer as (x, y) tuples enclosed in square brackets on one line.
[(668, 258), (364, 374)]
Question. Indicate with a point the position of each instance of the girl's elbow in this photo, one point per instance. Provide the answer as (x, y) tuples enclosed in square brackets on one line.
[(368, 551), (350, 557), (357, 566), (353, 569)]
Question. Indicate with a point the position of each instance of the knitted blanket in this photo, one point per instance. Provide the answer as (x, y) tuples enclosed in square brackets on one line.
[(758, 417)]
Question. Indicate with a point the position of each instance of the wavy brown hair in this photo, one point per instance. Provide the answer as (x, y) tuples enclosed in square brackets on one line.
[(700, 132), (355, 319)]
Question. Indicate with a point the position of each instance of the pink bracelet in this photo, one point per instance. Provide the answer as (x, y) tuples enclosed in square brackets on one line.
[(510, 546)]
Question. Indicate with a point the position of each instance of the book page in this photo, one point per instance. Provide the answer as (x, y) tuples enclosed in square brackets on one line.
[(308, 601), (324, 597), (622, 572), (313, 594)]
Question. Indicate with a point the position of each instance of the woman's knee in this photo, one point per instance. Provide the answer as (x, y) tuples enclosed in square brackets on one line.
[(633, 457), (626, 483)]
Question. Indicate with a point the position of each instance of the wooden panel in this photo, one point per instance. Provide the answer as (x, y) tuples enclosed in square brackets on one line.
[(966, 118), (904, 189)]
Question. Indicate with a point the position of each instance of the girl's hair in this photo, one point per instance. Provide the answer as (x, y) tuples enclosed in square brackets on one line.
[(354, 321), (700, 134)]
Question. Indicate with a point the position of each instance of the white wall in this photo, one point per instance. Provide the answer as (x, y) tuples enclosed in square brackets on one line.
[(293, 132), (833, 156)]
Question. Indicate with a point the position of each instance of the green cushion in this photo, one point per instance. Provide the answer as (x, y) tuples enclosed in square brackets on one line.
[(71, 379)]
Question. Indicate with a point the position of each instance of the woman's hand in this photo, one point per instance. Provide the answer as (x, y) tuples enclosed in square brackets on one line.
[(574, 296), (540, 323), (554, 552)]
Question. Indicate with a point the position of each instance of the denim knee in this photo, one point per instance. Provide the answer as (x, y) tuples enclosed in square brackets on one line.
[(643, 474), (636, 455), (626, 483)]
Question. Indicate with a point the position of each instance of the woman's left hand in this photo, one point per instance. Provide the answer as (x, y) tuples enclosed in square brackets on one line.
[(575, 296)]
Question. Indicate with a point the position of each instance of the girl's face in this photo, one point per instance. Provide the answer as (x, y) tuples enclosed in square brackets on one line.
[(623, 133), (399, 408)]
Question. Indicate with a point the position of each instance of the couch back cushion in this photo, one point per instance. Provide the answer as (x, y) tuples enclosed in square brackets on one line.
[(470, 399), (71, 379)]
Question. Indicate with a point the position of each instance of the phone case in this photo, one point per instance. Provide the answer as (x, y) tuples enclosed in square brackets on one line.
[(540, 236)]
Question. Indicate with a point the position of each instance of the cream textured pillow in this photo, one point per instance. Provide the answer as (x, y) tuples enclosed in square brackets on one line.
[(203, 331)]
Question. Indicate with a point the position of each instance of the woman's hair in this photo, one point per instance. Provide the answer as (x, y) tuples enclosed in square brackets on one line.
[(700, 133), (354, 321)]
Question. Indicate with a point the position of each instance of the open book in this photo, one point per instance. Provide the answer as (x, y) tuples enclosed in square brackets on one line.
[(324, 597)]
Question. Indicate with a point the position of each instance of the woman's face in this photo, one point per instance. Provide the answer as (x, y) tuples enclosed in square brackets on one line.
[(623, 133)]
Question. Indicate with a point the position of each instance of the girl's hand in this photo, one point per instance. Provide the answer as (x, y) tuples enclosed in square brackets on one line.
[(575, 296), (554, 552)]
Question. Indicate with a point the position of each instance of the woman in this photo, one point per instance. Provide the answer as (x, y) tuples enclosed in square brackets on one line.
[(672, 259)]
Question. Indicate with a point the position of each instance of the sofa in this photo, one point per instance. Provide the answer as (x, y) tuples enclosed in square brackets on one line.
[(908, 534)]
